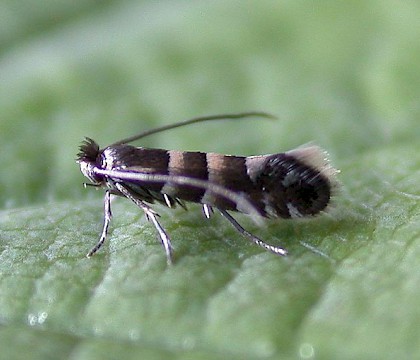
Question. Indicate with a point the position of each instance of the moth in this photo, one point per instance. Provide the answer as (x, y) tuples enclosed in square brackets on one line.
[(297, 183)]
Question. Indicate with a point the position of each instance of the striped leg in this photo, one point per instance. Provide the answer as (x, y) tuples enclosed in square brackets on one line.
[(107, 220), (274, 249), (151, 215), (207, 211)]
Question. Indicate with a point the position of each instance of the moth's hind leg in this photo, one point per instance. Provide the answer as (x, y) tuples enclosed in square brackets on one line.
[(274, 249), (152, 216)]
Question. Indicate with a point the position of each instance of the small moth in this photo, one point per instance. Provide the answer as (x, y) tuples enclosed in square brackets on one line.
[(294, 184)]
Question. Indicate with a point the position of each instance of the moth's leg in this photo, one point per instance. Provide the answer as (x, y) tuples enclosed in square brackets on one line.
[(253, 238), (107, 220), (152, 216), (207, 211)]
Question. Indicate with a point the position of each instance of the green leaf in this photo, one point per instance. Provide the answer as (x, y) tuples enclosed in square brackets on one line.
[(343, 75)]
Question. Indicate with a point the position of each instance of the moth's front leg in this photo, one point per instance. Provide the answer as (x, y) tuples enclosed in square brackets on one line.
[(152, 216), (107, 220)]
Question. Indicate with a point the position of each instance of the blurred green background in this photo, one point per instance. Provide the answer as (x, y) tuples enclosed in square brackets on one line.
[(344, 75)]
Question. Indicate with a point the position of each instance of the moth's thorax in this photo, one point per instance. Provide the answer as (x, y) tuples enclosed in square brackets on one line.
[(114, 157)]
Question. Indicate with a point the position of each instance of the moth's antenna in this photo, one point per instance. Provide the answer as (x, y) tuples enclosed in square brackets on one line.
[(193, 121)]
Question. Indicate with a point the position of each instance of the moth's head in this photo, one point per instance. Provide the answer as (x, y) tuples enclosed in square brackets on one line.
[(88, 159)]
